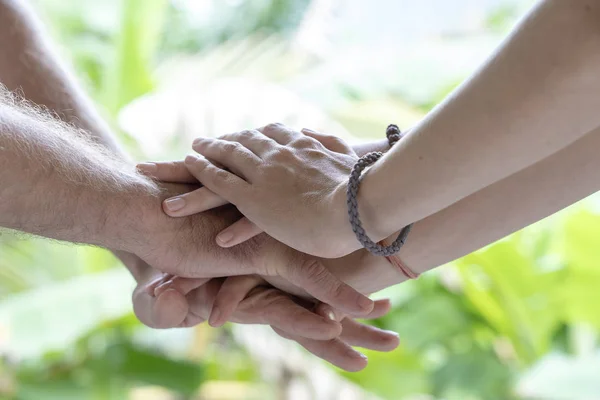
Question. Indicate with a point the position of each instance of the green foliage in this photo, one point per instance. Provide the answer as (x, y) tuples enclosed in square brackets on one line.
[(90, 371), (129, 72), (503, 323), (230, 20)]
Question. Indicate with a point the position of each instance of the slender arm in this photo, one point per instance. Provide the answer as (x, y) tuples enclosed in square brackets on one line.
[(535, 96), (485, 216)]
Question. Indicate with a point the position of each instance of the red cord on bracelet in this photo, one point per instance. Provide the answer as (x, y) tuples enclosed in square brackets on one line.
[(395, 260)]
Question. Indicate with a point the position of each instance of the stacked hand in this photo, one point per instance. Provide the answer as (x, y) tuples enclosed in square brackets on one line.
[(189, 302), (292, 185), (279, 285)]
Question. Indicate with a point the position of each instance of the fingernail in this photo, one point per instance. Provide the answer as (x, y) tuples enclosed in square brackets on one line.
[(151, 286), (147, 167), (191, 159), (196, 141), (392, 333), (215, 315), (163, 287), (361, 355), (365, 303), (308, 130), (174, 203), (225, 237), (331, 315)]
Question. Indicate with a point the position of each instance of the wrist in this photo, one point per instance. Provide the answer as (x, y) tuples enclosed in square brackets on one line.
[(343, 238), (365, 272), (135, 224), (373, 217)]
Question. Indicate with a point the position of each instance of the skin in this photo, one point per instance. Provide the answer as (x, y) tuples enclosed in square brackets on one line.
[(105, 202), (534, 97), (481, 218), (430, 243)]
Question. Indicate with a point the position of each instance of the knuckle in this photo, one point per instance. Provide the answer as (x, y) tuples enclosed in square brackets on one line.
[(172, 167), (314, 271), (248, 133), (315, 154), (283, 154), (231, 147), (229, 136), (317, 274), (221, 176), (274, 126), (200, 144), (303, 141)]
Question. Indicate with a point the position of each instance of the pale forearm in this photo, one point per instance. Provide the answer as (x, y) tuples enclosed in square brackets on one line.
[(488, 215), (537, 95)]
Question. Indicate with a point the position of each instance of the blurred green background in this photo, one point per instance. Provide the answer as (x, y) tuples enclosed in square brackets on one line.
[(516, 320)]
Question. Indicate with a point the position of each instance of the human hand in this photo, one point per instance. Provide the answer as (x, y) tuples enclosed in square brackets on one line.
[(287, 183), (159, 299), (203, 199), (176, 245)]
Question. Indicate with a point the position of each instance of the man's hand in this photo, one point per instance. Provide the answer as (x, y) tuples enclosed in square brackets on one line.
[(190, 301), (186, 247)]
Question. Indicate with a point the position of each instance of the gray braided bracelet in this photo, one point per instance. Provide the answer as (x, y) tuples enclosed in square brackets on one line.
[(393, 134), (352, 202)]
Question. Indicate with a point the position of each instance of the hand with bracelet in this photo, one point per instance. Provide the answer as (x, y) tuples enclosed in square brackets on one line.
[(290, 184), (534, 97)]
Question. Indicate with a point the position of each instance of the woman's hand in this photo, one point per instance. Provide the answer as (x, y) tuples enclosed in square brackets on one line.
[(287, 183), (203, 199)]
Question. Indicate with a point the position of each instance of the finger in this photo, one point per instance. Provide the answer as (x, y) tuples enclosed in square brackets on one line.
[(279, 133), (334, 351), (201, 299), (270, 306), (253, 140), (159, 280), (237, 233), (369, 337), (380, 308), (232, 292), (231, 155), (325, 310), (311, 275), (169, 171), (222, 182), (181, 285), (330, 142), (193, 202), (191, 320), (168, 310)]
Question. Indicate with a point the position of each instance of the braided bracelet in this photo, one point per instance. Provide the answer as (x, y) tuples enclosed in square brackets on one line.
[(394, 135)]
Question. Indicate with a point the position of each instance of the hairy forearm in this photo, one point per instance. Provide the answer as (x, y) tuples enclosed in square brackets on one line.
[(487, 215), (537, 95), (30, 66), (57, 184)]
